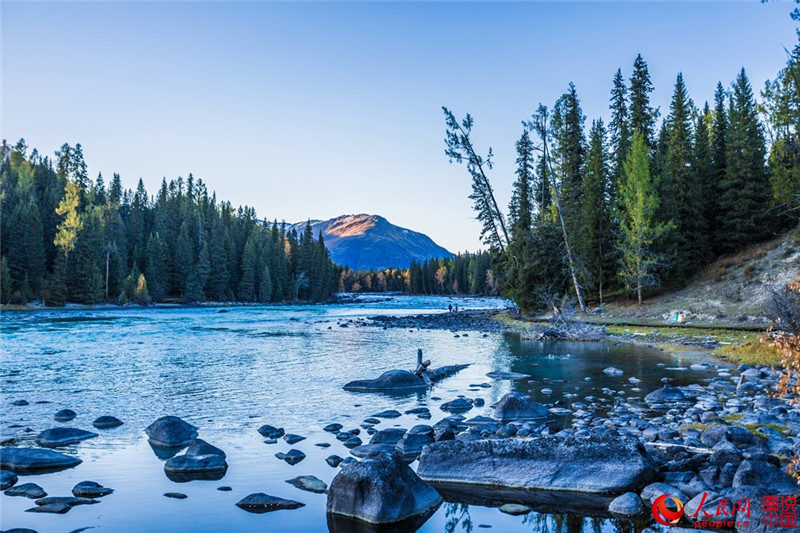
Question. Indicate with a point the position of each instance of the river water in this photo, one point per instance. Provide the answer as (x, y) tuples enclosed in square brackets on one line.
[(230, 372)]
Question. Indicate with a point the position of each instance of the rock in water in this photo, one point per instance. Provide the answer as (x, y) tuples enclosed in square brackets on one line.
[(35, 460), (264, 503), (90, 489), (271, 432), (294, 456), (519, 406), (170, 432), (514, 509), (29, 490), (380, 489), (7, 479), (55, 437), (412, 442), (309, 483), (64, 415), (391, 380), (605, 464), (200, 461), (106, 422), (459, 405), (388, 436), (629, 504), (611, 371)]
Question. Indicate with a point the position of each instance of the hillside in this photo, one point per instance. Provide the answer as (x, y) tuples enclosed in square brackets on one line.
[(370, 242), (734, 289)]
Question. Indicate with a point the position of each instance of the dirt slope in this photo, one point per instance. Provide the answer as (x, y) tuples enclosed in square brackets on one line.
[(732, 290)]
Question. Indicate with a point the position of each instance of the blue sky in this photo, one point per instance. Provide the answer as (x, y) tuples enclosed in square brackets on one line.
[(320, 109)]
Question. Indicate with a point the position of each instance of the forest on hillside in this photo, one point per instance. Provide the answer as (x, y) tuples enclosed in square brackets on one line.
[(644, 201), (68, 238)]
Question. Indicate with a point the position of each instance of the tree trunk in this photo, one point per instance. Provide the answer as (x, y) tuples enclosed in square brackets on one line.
[(639, 290)]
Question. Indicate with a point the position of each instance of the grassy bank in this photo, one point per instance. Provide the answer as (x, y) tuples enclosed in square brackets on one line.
[(735, 345)]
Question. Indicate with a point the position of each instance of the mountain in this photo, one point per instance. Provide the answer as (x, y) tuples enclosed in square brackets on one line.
[(370, 242)]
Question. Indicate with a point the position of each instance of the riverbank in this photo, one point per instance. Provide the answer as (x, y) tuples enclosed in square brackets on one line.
[(733, 344)]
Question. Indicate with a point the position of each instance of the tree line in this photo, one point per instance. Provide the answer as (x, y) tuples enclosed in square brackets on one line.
[(464, 274), (644, 200), (68, 238)]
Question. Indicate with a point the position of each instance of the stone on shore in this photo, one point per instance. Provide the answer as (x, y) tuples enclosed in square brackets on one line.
[(519, 406), (61, 436), (607, 464), (170, 432), (106, 422), (7, 479), (380, 489), (309, 483), (28, 490), (33, 460), (629, 504), (90, 489), (264, 503)]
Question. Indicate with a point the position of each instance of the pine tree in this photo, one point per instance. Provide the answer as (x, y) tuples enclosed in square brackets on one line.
[(521, 207), (156, 270), (25, 254), (703, 176), (597, 211), (746, 188), (719, 154), (84, 274), (642, 115), (183, 259), (619, 131), (198, 276), (638, 227), (681, 190)]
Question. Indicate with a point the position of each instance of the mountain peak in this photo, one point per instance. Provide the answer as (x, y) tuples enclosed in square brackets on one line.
[(370, 242)]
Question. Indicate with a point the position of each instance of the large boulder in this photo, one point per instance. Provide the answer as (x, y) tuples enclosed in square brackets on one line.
[(35, 460), (519, 406), (764, 475), (61, 436), (388, 436), (380, 489), (412, 442), (391, 380), (200, 461), (264, 503), (666, 394), (171, 432), (607, 464)]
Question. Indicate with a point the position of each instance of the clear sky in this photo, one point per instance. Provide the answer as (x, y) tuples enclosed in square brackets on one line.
[(312, 110)]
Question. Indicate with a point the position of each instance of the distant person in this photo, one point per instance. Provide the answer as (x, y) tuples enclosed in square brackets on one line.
[(456, 308), (450, 308)]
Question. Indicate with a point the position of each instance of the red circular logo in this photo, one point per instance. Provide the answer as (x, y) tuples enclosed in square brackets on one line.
[(664, 515)]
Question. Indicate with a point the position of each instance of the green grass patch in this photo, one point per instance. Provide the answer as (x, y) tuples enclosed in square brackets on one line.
[(751, 352)]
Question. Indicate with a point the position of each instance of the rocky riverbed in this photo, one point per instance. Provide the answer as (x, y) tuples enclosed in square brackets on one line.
[(518, 435)]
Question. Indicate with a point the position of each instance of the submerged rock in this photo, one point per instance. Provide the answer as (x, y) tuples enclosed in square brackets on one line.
[(90, 489), (519, 406), (106, 422), (507, 375), (380, 489), (72, 501), (33, 460), (7, 479), (309, 483), (264, 503), (28, 490), (171, 432), (55, 437), (606, 464), (176, 495), (56, 508)]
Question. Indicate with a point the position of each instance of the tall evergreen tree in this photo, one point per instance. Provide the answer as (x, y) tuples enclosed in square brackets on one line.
[(642, 115), (681, 190), (619, 130), (597, 211), (719, 154), (746, 188)]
